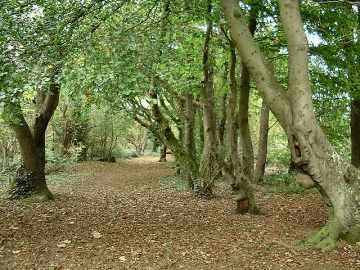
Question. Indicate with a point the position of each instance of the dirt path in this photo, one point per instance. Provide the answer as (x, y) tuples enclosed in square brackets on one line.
[(118, 216)]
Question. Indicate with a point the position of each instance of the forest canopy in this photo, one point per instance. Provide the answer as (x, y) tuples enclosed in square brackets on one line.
[(244, 94)]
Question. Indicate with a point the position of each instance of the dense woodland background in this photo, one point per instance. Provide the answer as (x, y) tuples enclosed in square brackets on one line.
[(111, 80)]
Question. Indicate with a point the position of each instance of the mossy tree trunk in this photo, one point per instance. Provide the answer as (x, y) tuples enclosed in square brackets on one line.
[(314, 157), (189, 136), (30, 179)]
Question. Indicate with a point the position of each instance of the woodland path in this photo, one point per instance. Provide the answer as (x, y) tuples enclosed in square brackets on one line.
[(121, 216)]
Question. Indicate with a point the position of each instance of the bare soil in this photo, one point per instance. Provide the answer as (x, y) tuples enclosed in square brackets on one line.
[(119, 216)]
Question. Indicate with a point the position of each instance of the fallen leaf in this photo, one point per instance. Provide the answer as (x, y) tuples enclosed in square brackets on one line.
[(96, 235), (61, 245), (122, 258)]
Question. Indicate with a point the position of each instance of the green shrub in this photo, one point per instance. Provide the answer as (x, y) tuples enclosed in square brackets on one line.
[(282, 183), (124, 153)]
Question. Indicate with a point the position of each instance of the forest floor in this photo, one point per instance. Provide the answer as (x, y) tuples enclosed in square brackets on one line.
[(126, 216)]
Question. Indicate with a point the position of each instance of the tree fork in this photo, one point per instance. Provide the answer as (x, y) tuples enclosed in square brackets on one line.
[(30, 179), (310, 148)]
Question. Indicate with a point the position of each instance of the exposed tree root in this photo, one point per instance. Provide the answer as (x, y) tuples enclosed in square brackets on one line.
[(22, 187), (244, 207)]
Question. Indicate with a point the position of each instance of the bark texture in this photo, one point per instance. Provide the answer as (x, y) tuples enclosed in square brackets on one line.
[(233, 166), (355, 132), (222, 122), (189, 136), (209, 168), (30, 179), (232, 158), (355, 102), (263, 143), (243, 115), (163, 154), (313, 155), (162, 129), (244, 129)]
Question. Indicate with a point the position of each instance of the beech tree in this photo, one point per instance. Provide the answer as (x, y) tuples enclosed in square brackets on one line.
[(316, 160)]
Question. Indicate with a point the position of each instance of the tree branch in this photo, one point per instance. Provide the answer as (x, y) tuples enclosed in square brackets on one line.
[(252, 57)]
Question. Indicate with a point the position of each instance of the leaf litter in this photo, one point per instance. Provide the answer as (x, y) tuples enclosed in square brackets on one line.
[(119, 216)]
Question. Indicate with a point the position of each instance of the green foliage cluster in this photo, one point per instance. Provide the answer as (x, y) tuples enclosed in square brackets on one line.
[(108, 54)]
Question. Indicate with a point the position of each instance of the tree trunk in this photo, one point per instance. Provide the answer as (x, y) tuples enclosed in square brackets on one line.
[(163, 130), (355, 132), (67, 138), (189, 138), (232, 123), (163, 153), (209, 168), (155, 145), (243, 116), (355, 106), (233, 168), (314, 157), (247, 152), (30, 179), (200, 126), (263, 143), (222, 123), (292, 166), (240, 167), (67, 135)]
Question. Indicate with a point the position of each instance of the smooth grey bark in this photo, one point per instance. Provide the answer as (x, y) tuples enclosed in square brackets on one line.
[(313, 155), (247, 152), (233, 167), (243, 114)]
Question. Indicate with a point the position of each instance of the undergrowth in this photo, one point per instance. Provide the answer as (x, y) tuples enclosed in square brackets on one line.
[(173, 182), (282, 182)]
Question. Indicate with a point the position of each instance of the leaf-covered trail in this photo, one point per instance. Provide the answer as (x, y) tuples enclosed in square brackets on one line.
[(117, 216)]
